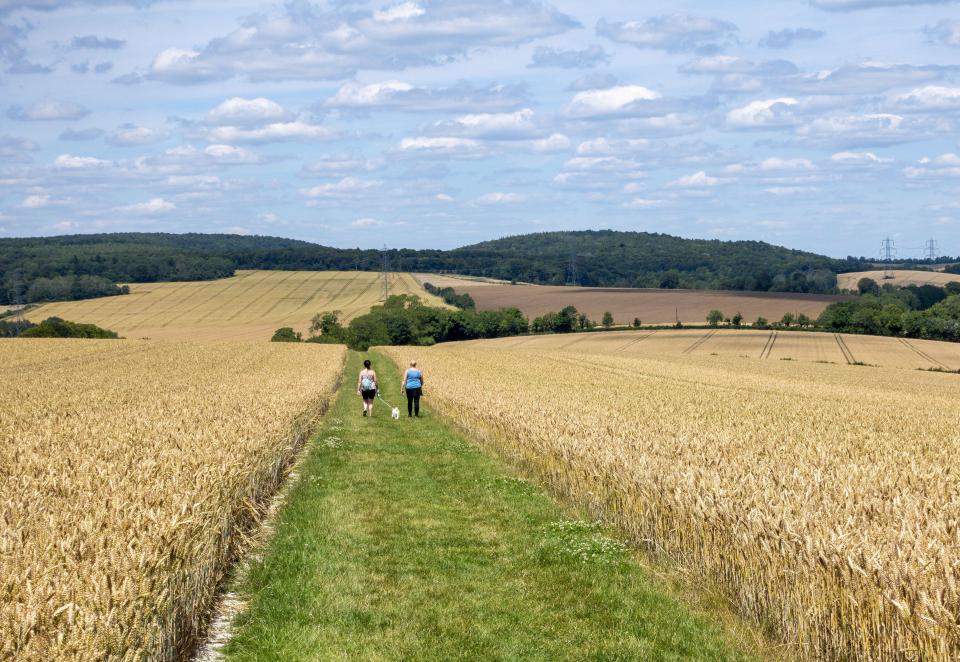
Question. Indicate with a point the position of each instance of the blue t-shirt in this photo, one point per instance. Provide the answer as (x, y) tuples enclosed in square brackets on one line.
[(414, 379)]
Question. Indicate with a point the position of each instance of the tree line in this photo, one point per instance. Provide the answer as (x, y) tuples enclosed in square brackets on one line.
[(602, 258)]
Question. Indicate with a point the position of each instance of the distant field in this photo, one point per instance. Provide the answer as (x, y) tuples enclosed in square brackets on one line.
[(652, 306), (748, 343), (249, 306), (849, 281)]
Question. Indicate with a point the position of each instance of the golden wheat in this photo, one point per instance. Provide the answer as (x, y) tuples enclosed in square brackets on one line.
[(129, 472), (768, 345), (249, 306), (823, 499)]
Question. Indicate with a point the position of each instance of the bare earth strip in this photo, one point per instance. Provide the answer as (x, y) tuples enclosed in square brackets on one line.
[(249, 306), (849, 281), (652, 306)]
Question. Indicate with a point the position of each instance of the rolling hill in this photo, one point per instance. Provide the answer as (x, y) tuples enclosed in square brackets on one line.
[(86, 266)]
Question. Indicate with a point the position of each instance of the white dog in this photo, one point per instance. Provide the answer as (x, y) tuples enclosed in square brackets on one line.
[(395, 414)]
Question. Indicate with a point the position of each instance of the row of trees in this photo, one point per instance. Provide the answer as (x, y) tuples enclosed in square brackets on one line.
[(404, 320), (449, 295), (924, 311), (52, 327)]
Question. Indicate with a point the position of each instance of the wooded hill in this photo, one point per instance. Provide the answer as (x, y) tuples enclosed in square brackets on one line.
[(81, 266)]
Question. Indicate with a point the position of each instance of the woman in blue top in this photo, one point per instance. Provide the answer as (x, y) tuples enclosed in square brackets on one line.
[(412, 385)]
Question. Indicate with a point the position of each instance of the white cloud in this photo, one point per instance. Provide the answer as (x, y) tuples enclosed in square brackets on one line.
[(230, 154), (495, 125), (777, 163), (642, 203), (696, 180), (238, 111), (939, 167), (605, 146), (930, 98), (556, 142), (946, 32), (674, 33), (70, 162), (338, 164), (855, 5), (130, 136), (48, 111), (762, 114), (355, 95), (871, 129), (500, 198), (36, 201), (366, 223), (346, 187), (402, 12), (443, 197), (152, 206), (610, 101), (275, 132), (789, 190), (332, 41), (448, 146), (859, 158)]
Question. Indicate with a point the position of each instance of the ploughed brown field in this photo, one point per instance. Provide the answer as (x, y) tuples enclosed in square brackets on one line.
[(652, 306)]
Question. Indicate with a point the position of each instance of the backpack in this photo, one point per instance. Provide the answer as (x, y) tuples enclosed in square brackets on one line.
[(368, 383)]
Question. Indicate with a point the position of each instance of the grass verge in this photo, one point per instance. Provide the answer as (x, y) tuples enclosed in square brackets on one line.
[(402, 540)]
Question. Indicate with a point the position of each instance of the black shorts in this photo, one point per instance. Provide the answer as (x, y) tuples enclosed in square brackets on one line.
[(414, 392), (369, 395)]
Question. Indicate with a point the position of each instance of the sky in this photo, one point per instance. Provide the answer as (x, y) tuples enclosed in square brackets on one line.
[(823, 125)]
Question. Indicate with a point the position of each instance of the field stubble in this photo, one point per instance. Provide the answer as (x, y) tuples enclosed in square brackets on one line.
[(821, 499), (129, 472)]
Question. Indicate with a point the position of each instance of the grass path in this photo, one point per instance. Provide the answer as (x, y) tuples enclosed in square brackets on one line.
[(402, 541)]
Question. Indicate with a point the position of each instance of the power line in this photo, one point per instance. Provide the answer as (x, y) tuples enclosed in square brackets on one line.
[(887, 250), (385, 272), (573, 264)]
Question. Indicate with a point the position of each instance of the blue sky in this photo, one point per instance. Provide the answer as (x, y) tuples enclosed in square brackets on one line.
[(816, 124)]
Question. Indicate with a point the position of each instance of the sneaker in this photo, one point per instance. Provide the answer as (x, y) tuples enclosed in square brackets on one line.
[(364, 412)]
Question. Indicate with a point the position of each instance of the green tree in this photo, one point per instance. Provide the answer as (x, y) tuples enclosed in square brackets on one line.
[(737, 319), (803, 320), (326, 324), (762, 323), (285, 334), (788, 319), (607, 320), (714, 317), (637, 323), (868, 286)]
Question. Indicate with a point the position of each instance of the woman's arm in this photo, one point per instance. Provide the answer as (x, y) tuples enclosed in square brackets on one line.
[(403, 381)]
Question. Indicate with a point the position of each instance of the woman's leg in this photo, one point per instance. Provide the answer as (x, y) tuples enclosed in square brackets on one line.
[(410, 397), (416, 403)]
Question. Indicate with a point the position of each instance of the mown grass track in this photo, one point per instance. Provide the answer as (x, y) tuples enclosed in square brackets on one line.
[(402, 540)]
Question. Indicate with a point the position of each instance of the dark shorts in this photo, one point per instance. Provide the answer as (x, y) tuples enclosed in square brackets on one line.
[(414, 392), (369, 395)]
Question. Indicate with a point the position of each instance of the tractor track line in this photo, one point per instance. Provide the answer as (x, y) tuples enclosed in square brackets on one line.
[(700, 341)]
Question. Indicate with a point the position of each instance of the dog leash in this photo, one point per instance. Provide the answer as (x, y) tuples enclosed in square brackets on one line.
[(384, 401)]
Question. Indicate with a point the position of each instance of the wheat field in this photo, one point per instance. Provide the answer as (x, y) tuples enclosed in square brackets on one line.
[(898, 277), (821, 499), (249, 306), (129, 472), (773, 345)]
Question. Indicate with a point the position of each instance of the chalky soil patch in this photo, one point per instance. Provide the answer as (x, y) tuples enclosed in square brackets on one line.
[(402, 541)]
